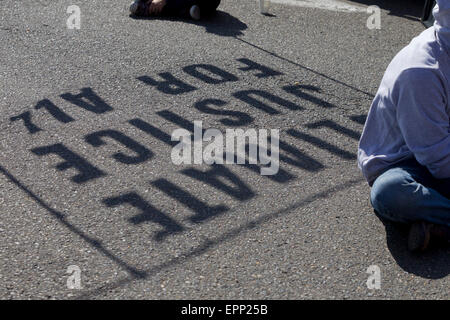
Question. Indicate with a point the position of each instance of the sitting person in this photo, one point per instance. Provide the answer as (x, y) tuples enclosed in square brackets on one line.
[(404, 151), (181, 8)]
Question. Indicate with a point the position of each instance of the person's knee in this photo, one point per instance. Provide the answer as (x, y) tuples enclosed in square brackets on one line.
[(395, 196)]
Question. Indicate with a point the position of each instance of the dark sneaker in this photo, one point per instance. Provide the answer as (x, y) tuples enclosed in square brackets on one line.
[(421, 233), (194, 12), (419, 237), (140, 8)]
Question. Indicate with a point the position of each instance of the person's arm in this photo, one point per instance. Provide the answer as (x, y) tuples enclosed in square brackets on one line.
[(423, 117), (157, 6)]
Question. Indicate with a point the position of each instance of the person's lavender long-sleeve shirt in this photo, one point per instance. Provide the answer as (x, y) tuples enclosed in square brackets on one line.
[(410, 115)]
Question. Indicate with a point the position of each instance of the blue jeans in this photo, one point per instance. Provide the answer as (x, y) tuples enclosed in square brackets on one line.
[(408, 192)]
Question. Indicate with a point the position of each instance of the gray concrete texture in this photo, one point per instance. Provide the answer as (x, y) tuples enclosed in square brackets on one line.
[(307, 233)]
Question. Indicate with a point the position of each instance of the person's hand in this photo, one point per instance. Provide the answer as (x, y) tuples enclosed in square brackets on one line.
[(156, 7)]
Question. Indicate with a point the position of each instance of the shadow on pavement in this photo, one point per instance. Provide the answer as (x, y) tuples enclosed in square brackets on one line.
[(371, 95), (217, 177), (433, 264), (210, 243), (61, 218), (225, 25), (221, 23)]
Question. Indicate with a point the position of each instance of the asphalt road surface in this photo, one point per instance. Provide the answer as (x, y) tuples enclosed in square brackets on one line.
[(87, 184)]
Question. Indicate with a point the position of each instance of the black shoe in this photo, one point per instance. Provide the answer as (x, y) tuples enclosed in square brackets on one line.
[(421, 233), (140, 8)]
